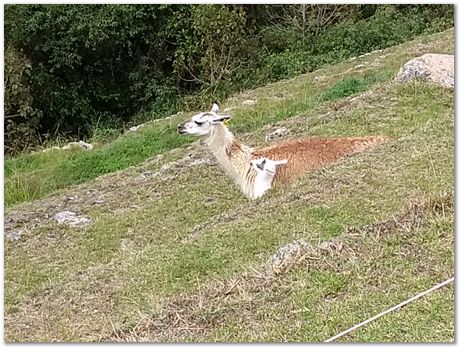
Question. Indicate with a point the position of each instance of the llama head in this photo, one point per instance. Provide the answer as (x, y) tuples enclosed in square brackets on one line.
[(201, 124), (266, 166)]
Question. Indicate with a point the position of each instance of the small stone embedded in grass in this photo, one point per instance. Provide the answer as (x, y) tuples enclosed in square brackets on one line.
[(277, 134), (288, 255), (72, 145), (177, 166), (81, 144), (146, 174), (14, 234), (72, 219), (135, 128), (329, 245), (209, 200)]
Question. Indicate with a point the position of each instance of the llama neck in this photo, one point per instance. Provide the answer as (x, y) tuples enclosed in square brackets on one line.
[(230, 153)]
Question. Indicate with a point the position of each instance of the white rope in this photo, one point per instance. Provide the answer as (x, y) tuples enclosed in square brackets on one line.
[(390, 309)]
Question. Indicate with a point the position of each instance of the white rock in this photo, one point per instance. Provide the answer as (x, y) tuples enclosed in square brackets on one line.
[(72, 219), (70, 145), (86, 146), (434, 68), (51, 148), (81, 144), (135, 128), (14, 234)]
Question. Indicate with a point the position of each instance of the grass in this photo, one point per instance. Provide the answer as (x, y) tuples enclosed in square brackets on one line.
[(36, 175), (33, 176), (136, 274), (350, 86)]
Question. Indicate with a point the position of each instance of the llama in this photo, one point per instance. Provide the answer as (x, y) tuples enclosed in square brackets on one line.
[(303, 155), (266, 171)]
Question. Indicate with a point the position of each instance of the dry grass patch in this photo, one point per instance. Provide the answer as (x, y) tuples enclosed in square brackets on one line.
[(197, 315)]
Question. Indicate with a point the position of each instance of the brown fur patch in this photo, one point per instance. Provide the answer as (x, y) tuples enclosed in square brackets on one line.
[(305, 155), (232, 148)]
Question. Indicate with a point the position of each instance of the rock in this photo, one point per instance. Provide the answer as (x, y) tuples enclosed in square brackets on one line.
[(85, 146), (434, 68), (177, 166), (72, 219), (70, 145), (146, 174), (249, 102), (51, 148), (135, 128), (278, 133), (209, 201), (14, 234), (288, 255), (329, 245), (359, 66), (81, 144), (207, 161)]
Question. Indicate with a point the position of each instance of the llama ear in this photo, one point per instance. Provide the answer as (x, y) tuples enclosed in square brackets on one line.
[(280, 163), (220, 118), (215, 108)]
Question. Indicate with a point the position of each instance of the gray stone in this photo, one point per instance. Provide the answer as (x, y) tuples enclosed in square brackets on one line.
[(81, 144), (277, 133), (85, 146), (434, 68), (72, 219), (288, 255), (135, 128), (14, 234)]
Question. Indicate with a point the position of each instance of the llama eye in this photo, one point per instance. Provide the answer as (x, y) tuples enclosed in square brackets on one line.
[(199, 123)]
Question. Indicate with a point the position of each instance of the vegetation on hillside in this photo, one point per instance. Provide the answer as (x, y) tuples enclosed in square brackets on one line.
[(183, 256), (87, 70)]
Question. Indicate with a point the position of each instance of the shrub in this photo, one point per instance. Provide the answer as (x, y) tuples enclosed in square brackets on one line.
[(21, 118)]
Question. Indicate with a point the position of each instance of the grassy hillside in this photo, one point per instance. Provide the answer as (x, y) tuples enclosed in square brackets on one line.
[(182, 255)]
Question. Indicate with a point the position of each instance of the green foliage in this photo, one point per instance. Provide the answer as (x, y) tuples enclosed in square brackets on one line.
[(92, 62), (57, 169), (285, 64), (208, 48), (350, 86), (21, 118), (82, 67)]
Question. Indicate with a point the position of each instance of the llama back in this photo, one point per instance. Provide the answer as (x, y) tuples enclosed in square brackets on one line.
[(305, 155)]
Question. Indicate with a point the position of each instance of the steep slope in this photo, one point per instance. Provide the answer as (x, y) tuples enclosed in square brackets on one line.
[(175, 252)]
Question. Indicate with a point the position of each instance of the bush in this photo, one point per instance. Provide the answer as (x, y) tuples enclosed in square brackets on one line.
[(77, 67), (92, 62), (21, 118)]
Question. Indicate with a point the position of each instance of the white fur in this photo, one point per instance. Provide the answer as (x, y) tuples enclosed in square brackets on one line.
[(266, 171), (234, 157), (209, 126)]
